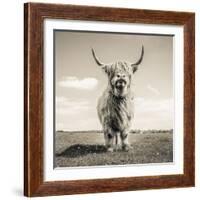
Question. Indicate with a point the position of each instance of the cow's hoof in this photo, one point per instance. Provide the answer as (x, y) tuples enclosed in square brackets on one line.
[(126, 147), (110, 149)]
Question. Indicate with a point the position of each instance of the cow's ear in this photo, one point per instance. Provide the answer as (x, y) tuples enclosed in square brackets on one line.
[(106, 68), (134, 68)]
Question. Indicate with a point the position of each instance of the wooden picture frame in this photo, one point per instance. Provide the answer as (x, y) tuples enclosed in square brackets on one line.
[(34, 16)]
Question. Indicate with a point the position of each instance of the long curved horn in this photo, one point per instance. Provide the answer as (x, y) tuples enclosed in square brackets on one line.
[(96, 59), (141, 57)]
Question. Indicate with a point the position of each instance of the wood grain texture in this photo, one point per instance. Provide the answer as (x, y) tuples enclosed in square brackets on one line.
[(34, 15)]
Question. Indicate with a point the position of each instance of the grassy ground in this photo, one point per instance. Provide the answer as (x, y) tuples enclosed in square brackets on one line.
[(87, 149)]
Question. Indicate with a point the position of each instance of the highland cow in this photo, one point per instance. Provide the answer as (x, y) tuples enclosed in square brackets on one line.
[(115, 105)]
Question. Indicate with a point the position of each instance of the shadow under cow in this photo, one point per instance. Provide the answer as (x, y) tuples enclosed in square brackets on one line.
[(78, 150)]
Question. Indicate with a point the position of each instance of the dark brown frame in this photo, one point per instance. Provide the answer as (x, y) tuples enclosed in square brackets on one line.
[(34, 15)]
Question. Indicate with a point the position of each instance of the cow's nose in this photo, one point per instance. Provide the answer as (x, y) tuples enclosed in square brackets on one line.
[(120, 83)]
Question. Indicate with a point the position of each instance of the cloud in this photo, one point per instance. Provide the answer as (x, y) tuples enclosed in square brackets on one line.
[(153, 113), (60, 100), (66, 106), (154, 105), (153, 90), (88, 83), (76, 114), (80, 124), (81, 114)]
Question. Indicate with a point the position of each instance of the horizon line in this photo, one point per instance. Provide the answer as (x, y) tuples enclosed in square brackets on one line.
[(102, 130)]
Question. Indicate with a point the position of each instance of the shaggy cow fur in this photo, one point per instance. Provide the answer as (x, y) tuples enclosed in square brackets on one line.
[(115, 105)]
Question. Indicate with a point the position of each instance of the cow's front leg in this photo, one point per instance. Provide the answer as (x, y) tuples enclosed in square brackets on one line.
[(124, 141), (109, 141)]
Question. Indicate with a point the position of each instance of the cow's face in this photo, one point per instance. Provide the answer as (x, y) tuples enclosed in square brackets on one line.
[(119, 74)]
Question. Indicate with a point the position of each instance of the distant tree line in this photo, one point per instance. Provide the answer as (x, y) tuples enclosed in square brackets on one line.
[(137, 131), (152, 131)]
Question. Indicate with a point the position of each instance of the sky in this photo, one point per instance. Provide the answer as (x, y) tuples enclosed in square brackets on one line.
[(79, 82)]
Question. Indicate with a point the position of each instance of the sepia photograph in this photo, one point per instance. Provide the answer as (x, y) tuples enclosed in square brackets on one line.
[(109, 99), (113, 98)]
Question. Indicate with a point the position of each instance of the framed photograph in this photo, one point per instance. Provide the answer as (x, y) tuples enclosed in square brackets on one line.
[(109, 99)]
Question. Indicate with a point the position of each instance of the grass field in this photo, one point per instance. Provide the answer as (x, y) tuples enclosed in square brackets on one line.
[(87, 149)]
